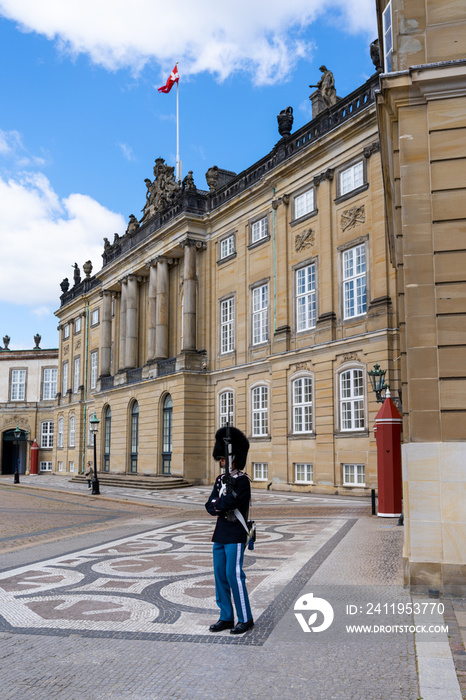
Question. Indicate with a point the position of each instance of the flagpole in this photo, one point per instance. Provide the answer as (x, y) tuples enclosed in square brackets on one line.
[(178, 162)]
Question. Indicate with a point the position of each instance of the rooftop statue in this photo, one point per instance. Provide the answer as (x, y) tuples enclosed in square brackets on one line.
[(133, 223), (76, 274), (285, 121), (326, 86), (162, 191)]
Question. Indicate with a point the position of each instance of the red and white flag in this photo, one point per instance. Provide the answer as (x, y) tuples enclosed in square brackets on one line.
[(174, 78)]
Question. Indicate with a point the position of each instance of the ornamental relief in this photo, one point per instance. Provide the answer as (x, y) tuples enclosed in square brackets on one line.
[(66, 349), (353, 217), (304, 240), (350, 357), (77, 344), (302, 366)]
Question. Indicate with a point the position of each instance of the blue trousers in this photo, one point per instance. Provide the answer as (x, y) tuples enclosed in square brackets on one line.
[(230, 578)]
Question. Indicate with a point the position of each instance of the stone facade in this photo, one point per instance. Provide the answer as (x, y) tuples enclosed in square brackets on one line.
[(264, 300), (422, 118)]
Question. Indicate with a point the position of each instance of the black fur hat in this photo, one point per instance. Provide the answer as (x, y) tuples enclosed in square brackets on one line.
[(239, 445)]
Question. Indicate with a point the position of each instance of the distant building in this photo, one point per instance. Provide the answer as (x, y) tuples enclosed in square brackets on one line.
[(262, 301), (422, 118), (28, 387)]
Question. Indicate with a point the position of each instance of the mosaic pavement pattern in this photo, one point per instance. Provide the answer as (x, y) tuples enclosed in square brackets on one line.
[(159, 584)]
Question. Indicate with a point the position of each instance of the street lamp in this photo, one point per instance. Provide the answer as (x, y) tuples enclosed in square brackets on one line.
[(94, 421), (17, 435), (377, 377)]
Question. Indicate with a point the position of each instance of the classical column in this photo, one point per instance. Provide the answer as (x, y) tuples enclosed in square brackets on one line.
[(189, 296), (122, 344), (152, 312), (161, 328), (132, 322), (106, 334)]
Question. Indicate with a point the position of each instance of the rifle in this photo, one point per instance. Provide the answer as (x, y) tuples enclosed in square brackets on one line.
[(228, 459)]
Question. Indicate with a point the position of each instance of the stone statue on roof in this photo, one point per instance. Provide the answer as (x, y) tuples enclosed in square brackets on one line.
[(162, 191), (326, 86)]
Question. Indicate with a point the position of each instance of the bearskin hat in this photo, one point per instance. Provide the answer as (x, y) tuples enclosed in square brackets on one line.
[(239, 446)]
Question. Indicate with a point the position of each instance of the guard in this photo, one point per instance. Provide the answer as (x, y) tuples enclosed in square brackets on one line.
[(229, 502)]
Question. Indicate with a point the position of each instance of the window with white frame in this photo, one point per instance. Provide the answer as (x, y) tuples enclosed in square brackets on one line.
[(387, 38), (352, 399), (354, 475), (94, 368), (226, 408), (77, 325), (227, 246), (259, 230), (306, 298), (71, 466), (352, 178), (303, 473), (354, 281), (304, 203), (49, 383), (76, 374), (61, 431), (46, 434), (227, 328), (260, 314), (45, 466), (72, 431), (260, 410), (18, 385), (302, 405), (64, 378), (60, 467), (66, 331), (94, 317), (260, 471)]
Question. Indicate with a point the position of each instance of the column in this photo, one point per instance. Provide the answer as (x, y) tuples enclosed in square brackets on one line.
[(122, 344), (132, 322), (152, 312), (106, 334), (161, 328), (189, 296)]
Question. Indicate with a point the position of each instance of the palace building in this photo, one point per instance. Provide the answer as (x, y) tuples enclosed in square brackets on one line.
[(263, 301)]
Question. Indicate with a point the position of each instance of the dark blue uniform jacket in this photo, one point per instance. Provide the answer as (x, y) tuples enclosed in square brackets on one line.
[(227, 532)]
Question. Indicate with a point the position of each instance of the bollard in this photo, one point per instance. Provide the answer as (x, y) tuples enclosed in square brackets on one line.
[(373, 501)]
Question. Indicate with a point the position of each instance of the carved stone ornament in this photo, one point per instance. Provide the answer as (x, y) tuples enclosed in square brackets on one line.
[(300, 366), (66, 349), (304, 240), (372, 148), (133, 224), (350, 357), (211, 177), (37, 339), (162, 191), (65, 285), (285, 121), (6, 341), (77, 345), (87, 268), (353, 217), (76, 274)]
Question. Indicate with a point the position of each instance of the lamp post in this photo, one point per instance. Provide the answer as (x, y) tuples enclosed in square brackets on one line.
[(17, 434), (94, 421), (377, 378)]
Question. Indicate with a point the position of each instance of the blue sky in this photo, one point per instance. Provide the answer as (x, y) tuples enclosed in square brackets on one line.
[(81, 121)]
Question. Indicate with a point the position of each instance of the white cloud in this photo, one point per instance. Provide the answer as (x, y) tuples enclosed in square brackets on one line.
[(41, 312), (13, 149), (41, 236), (263, 38), (127, 151)]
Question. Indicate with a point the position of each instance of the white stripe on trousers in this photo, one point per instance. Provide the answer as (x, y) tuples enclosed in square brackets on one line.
[(239, 582)]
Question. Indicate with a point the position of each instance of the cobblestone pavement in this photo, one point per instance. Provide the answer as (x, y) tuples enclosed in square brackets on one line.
[(124, 615)]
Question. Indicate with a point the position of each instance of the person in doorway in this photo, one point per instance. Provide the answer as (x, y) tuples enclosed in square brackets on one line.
[(229, 503), (89, 473)]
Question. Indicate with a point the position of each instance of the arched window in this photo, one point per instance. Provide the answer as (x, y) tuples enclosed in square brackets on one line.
[(352, 399), (72, 431), (302, 405), (167, 437), (226, 408), (107, 436), (61, 430), (134, 437)]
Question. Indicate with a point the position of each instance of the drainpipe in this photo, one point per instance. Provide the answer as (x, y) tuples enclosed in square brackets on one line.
[(83, 456), (274, 267)]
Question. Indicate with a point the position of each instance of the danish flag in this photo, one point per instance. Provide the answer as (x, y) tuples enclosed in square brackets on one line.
[(174, 78)]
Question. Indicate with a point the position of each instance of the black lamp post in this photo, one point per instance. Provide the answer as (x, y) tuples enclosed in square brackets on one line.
[(17, 434), (377, 378), (94, 421)]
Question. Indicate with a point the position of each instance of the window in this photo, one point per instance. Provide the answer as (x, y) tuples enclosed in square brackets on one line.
[(94, 364), (72, 432), (107, 438), (259, 230), (354, 475), (306, 298), (45, 466), (260, 471), (227, 247), (95, 317), (303, 204), (49, 384), (302, 405), (167, 427), (387, 38), (66, 331), (260, 404), (18, 385), (226, 408), (352, 399), (76, 373), (61, 430), (303, 473), (60, 467), (260, 314), (64, 379), (354, 281), (71, 466), (134, 437), (352, 178), (46, 434), (227, 329), (77, 325)]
